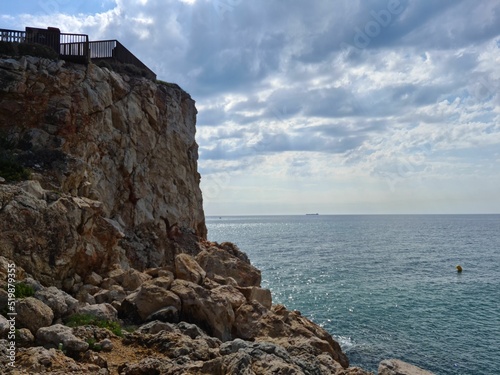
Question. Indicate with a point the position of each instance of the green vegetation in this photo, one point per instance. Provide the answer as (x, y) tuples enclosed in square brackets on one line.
[(93, 345), (12, 171), (22, 290), (10, 168), (86, 319)]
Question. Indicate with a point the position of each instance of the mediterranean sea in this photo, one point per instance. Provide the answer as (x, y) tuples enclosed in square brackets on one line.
[(385, 286)]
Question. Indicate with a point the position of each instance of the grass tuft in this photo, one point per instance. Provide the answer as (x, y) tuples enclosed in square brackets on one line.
[(78, 320)]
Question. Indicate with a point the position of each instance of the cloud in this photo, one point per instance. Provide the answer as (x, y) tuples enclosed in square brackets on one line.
[(389, 95)]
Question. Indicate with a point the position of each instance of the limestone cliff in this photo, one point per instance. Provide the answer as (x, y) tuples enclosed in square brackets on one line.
[(113, 155)]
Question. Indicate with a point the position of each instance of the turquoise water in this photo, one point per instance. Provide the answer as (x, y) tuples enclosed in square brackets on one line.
[(385, 285)]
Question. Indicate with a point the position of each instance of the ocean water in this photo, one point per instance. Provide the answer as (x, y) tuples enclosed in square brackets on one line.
[(385, 286)]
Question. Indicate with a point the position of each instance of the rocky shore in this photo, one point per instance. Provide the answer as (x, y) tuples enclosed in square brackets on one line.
[(101, 219)]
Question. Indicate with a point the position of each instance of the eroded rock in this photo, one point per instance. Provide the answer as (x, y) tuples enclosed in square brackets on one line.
[(57, 335), (33, 314)]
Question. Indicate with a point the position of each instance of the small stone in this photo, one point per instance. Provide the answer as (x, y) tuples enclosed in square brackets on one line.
[(93, 279), (106, 345)]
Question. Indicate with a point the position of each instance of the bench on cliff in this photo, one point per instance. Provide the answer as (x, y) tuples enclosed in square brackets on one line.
[(77, 47)]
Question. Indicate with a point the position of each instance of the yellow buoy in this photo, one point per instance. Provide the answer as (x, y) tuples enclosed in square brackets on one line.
[(459, 268)]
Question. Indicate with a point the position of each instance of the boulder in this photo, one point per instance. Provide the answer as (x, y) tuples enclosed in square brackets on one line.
[(216, 261), (398, 367), (150, 298), (260, 295), (93, 279), (60, 302), (102, 311), (53, 336), (33, 314), (167, 314), (115, 293), (106, 345), (211, 311), (186, 268), (232, 294), (4, 327), (24, 338), (247, 323), (133, 279), (155, 327)]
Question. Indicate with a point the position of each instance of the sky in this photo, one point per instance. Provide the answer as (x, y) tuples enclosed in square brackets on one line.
[(320, 106)]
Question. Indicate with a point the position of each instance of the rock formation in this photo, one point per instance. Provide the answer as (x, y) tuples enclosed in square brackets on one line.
[(101, 212)]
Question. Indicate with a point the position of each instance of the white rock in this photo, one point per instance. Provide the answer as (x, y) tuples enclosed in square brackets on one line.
[(53, 336)]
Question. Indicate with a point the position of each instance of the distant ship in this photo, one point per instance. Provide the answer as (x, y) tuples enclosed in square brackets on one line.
[(312, 214)]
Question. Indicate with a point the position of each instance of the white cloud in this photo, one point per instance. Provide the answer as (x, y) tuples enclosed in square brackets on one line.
[(291, 116)]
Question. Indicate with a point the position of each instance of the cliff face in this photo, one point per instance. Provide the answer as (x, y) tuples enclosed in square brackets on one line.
[(128, 143), (113, 155)]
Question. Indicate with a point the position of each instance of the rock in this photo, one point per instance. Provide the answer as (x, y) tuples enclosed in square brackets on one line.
[(116, 293), (106, 345), (155, 327), (4, 327), (102, 311), (209, 310), (150, 298), (230, 347), (398, 367), (107, 283), (24, 338), (33, 314), (60, 302), (94, 141), (232, 294), (93, 279), (216, 261), (149, 366), (164, 281), (94, 358), (2, 180), (33, 283), (247, 320), (262, 296), (53, 336), (40, 360), (186, 268), (33, 188), (133, 279), (167, 314)]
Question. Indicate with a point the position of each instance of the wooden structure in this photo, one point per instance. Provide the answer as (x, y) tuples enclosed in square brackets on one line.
[(76, 47)]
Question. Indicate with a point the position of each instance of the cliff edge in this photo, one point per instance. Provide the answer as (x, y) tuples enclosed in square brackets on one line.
[(101, 220)]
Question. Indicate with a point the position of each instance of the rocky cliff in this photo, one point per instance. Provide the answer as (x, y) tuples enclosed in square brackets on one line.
[(101, 216), (115, 158)]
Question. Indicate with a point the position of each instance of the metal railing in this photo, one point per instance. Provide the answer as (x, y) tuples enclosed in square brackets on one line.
[(76, 47), (12, 36), (114, 50)]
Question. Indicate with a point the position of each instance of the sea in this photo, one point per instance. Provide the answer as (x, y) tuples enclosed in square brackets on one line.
[(385, 286)]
